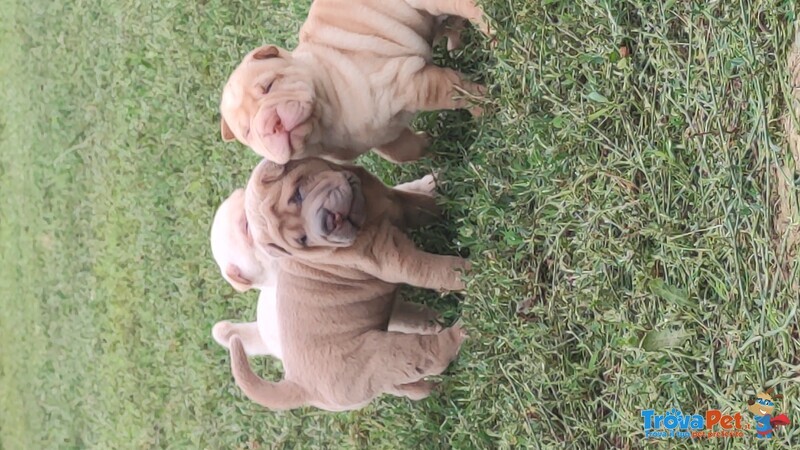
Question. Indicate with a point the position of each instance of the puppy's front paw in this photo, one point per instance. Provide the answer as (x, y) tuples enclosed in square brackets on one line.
[(453, 338), (427, 185), (473, 97), (461, 267), (459, 332), (222, 333)]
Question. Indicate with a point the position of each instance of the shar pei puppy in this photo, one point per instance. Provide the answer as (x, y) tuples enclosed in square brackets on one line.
[(360, 72), (340, 262), (234, 252)]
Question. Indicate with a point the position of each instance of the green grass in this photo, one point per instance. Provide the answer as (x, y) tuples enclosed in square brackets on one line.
[(628, 198)]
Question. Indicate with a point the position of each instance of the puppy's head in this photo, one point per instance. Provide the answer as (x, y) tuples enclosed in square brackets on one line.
[(267, 104), (234, 250), (307, 206)]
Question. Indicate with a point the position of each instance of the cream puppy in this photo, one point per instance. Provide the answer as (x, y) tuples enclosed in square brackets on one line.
[(342, 257), (360, 72), (234, 252)]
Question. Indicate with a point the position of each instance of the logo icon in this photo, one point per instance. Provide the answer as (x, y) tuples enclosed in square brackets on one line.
[(716, 424), (762, 406), (675, 424)]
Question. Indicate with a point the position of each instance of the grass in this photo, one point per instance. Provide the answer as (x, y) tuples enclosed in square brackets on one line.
[(626, 197)]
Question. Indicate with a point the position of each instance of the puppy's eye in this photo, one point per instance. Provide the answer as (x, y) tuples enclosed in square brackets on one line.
[(268, 87), (303, 241), (297, 197)]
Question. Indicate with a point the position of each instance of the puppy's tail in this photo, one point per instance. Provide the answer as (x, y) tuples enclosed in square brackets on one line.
[(275, 396)]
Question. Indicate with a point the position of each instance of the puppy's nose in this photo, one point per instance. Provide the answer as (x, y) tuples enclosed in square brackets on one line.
[(278, 127), (333, 221)]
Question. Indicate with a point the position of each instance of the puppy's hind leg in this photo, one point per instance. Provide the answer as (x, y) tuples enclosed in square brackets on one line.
[(405, 359), (467, 9), (414, 204), (449, 28), (409, 146), (425, 185), (413, 318), (416, 391), (417, 210)]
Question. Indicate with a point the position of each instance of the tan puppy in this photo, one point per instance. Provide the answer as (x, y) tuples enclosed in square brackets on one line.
[(234, 252), (360, 72), (337, 279)]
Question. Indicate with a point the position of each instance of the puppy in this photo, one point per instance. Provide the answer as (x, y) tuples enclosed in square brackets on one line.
[(360, 72), (234, 252), (340, 261)]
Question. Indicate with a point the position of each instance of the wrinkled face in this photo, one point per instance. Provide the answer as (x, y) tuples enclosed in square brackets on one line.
[(764, 405), (233, 247), (306, 205), (267, 104)]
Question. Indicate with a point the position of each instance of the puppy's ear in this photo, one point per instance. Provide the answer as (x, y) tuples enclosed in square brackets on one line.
[(225, 131), (237, 280), (266, 52), (276, 251)]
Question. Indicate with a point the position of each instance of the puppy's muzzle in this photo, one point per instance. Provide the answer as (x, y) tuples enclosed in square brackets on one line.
[(331, 221)]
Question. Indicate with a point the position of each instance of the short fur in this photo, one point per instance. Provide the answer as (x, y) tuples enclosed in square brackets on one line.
[(262, 337), (360, 72), (337, 292)]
